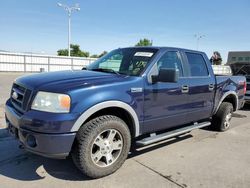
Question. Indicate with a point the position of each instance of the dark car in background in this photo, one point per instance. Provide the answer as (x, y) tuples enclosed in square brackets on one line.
[(243, 68)]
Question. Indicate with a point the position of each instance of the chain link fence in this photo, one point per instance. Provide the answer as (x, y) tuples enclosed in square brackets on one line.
[(21, 62)]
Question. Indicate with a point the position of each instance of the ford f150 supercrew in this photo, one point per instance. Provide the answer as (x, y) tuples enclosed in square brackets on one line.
[(130, 96)]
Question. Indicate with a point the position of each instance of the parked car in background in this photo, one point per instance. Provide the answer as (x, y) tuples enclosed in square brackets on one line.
[(243, 68)]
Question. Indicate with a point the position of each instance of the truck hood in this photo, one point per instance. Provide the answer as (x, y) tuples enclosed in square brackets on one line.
[(62, 81)]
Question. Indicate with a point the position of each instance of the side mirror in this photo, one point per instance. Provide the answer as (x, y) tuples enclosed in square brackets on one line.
[(166, 75)]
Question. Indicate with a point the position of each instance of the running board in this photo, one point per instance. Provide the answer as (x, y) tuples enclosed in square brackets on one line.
[(164, 136)]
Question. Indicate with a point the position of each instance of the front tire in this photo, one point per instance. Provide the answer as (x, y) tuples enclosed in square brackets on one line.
[(222, 119), (101, 146)]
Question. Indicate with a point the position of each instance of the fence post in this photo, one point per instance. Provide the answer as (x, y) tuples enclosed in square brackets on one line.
[(48, 63), (24, 63)]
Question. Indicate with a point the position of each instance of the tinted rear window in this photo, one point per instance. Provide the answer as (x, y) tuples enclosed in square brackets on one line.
[(197, 64)]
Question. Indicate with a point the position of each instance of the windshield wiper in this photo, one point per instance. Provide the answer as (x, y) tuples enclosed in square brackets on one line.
[(105, 70)]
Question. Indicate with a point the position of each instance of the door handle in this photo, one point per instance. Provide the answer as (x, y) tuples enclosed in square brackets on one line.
[(185, 89), (211, 87)]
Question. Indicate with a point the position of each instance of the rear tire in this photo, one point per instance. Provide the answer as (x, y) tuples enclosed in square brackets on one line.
[(221, 120), (101, 146)]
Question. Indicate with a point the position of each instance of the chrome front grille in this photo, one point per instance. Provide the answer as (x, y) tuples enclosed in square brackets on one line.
[(20, 97)]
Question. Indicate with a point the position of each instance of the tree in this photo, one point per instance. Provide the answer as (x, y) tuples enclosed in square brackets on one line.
[(94, 56), (62, 52), (74, 51), (144, 42), (100, 55), (77, 52), (103, 53)]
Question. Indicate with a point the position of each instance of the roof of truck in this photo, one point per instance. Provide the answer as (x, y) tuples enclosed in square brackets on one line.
[(163, 48)]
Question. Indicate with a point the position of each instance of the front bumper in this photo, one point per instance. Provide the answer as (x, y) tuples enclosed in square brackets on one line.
[(53, 145)]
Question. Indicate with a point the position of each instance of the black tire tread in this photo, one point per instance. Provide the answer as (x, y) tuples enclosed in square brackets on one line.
[(83, 138), (219, 117)]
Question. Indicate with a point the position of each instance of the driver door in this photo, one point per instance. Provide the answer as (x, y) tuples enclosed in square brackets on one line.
[(165, 104)]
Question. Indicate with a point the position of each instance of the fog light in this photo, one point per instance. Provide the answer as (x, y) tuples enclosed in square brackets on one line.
[(31, 141)]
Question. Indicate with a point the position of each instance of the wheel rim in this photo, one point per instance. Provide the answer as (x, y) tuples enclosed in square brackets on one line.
[(106, 148), (227, 120)]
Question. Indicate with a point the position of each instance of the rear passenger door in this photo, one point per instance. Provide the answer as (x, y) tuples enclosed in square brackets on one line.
[(201, 86)]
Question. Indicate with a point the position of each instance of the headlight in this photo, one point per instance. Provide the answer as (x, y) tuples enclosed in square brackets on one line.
[(51, 102)]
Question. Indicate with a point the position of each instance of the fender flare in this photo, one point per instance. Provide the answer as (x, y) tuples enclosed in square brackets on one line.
[(226, 95), (104, 105)]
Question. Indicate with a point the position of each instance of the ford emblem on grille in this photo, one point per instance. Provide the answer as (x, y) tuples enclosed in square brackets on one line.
[(14, 95)]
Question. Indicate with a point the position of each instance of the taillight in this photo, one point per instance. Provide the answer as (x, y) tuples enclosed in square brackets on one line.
[(244, 84)]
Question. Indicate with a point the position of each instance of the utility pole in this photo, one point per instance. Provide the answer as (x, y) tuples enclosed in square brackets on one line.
[(69, 10), (198, 38)]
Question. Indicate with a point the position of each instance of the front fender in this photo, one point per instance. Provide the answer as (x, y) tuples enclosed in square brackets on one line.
[(90, 100), (104, 105)]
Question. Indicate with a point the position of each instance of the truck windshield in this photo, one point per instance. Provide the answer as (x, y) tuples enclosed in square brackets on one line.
[(128, 61)]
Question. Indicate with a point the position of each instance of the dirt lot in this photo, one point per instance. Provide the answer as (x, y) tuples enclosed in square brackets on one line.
[(201, 159)]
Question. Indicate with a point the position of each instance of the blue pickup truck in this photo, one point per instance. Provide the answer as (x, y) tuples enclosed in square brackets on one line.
[(131, 96)]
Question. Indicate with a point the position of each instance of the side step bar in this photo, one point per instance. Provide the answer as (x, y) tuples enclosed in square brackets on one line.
[(164, 136)]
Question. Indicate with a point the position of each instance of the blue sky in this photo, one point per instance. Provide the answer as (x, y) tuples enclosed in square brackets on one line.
[(41, 26)]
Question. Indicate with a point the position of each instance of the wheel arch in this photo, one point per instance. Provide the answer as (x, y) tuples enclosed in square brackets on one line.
[(230, 97), (118, 108)]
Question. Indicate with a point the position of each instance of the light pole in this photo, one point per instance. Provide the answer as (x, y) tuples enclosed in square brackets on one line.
[(198, 37), (69, 10)]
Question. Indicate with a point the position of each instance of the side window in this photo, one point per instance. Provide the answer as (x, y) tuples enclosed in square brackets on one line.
[(170, 60), (197, 64)]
